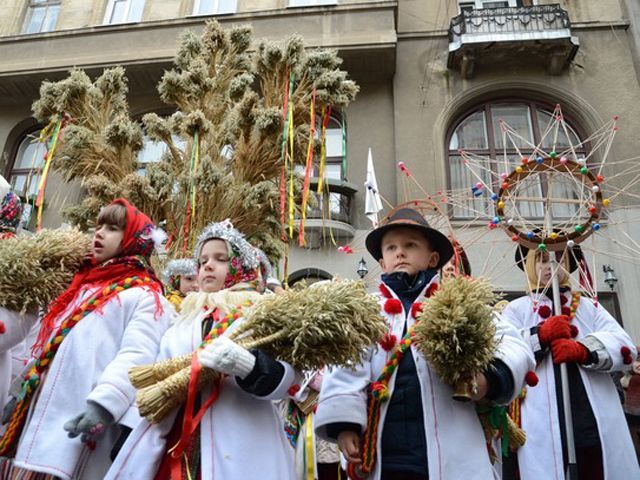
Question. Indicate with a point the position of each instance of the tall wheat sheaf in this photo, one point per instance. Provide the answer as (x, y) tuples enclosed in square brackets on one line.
[(227, 89)]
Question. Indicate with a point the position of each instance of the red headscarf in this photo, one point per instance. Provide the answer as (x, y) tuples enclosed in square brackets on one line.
[(137, 245), (137, 237)]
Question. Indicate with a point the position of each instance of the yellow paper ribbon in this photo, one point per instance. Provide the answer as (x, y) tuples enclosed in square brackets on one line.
[(310, 458)]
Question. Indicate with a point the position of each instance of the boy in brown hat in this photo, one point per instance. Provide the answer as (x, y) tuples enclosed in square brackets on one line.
[(421, 431)]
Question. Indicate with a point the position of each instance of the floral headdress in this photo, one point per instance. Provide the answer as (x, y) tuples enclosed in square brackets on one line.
[(177, 267), (244, 262)]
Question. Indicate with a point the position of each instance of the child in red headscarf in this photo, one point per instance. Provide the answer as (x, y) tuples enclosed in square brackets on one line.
[(76, 393)]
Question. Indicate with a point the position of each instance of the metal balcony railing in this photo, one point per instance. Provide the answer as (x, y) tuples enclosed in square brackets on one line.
[(535, 20)]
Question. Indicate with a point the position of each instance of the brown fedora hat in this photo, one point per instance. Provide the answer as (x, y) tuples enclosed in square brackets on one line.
[(407, 217)]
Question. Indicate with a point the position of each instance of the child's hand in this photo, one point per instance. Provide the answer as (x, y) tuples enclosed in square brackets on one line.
[(569, 351), (91, 423), (554, 328), (349, 443)]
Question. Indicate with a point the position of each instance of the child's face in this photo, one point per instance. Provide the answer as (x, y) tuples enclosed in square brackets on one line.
[(214, 265), (407, 250), (449, 270), (107, 241), (188, 283), (543, 269)]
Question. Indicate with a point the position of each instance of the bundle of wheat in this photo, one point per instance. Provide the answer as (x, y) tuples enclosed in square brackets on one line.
[(332, 324), (35, 270), (456, 332)]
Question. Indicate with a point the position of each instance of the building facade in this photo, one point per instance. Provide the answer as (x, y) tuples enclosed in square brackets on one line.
[(434, 76)]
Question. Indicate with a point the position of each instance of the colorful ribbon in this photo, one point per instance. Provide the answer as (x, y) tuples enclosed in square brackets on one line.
[(42, 185), (308, 168)]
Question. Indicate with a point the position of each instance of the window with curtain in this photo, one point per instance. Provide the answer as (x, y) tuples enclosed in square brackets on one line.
[(42, 16), (214, 7), (123, 11), (478, 133)]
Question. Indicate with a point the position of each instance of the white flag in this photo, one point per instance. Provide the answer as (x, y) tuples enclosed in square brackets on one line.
[(373, 203)]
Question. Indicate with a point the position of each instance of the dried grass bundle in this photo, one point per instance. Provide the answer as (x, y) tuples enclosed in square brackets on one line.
[(233, 98), (101, 139), (456, 331), (35, 270), (331, 324)]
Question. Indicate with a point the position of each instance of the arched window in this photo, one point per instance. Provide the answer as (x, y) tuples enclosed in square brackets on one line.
[(478, 133), (309, 275), (27, 165)]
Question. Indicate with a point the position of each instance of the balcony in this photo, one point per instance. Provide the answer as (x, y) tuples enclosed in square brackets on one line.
[(332, 217), (538, 35)]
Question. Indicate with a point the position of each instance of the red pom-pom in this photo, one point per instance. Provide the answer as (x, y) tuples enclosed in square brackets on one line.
[(385, 291), (3, 329), (416, 308), (388, 341), (431, 289), (393, 306), (531, 378), (544, 311), (293, 389), (627, 359), (566, 311), (574, 331)]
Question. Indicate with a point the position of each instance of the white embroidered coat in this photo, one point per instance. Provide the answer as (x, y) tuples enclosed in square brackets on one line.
[(541, 455), (92, 363), (241, 436), (456, 447)]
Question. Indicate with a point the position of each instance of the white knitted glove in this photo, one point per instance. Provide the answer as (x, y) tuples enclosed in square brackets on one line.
[(226, 356)]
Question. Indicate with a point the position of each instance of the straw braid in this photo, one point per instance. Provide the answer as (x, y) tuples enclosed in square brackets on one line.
[(8, 442)]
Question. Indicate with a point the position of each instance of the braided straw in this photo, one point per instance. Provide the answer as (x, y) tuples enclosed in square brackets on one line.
[(157, 401)]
